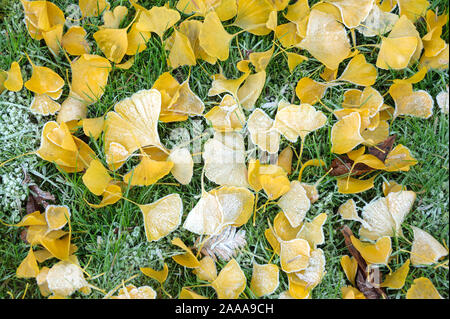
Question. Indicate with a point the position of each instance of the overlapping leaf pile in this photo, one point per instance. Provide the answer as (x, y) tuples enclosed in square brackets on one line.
[(325, 32)]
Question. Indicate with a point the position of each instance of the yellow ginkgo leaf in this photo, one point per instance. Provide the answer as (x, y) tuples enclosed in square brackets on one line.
[(313, 231), (297, 11), (74, 41), (224, 157), (260, 60), (66, 277), (157, 20), (350, 267), (425, 249), (413, 9), (250, 91), (162, 216), (113, 43), (349, 185), (213, 37), (58, 247), (313, 274), (273, 179), (392, 187), (186, 293), (287, 34), (294, 255), (312, 162), (345, 134), (285, 159), (183, 165), (353, 12), (96, 178), (348, 211), (41, 280), (28, 268), (442, 100), (112, 18), (294, 59), (230, 282), (283, 228), (273, 240), (422, 288), (227, 116), (32, 219), (298, 120), (56, 216), (409, 102), (310, 91), (93, 126), (218, 208), (262, 133), (416, 78), (311, 192), (137, 40), (296, 289), (44, 80), (159, 275), (396, 280), (186, 102), (147, 172), (187, 259), (181, 52), (399, 159), (13, 81), (439, 62), (265, 279), (41, 16), (133, 292), (111, 195), (359, 72), (377, 253), (349, 292), (92, 8), (66, 158), (206, 270), (295, 204), (134, 124), (44, 105), (384, 216), (378, 22), (221, 84), (326, 39), (53, 37), (252, 16)]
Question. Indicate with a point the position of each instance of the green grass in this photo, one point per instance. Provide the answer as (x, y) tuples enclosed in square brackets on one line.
[(112, 240)]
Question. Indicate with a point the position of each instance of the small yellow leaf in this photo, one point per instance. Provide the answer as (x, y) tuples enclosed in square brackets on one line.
[(158, 275)]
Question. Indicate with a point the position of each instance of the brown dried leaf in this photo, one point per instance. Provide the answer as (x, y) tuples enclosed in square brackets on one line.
[(342, 165), (383, 149)]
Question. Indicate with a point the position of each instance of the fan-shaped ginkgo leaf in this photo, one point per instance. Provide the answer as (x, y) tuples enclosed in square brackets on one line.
[(227, 116), (44, 105), (396, 280), (326, 39), (96, 178), (252, 16), (265, 279), (359, 72), (28, 268), (187, 259), (345, 134), (148, 172), (313, 274), (353, 12), (92, 8), (425, 249), (409, 102), (262, 133), (310, 91), (350, 267), (377, 22), (422, 288), (159, 275), (181, 52), (413, 9), (224, 157), (230, 282), (113, 43), (162, 216), (295, 204), (313, 231), (213, 37), (13, 81), (377, 253), (298, 120), (294, 255), (157, 20), (283, 229), (44, 80), (112, 18), (56, 216), (134, 124), (206, 270)]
